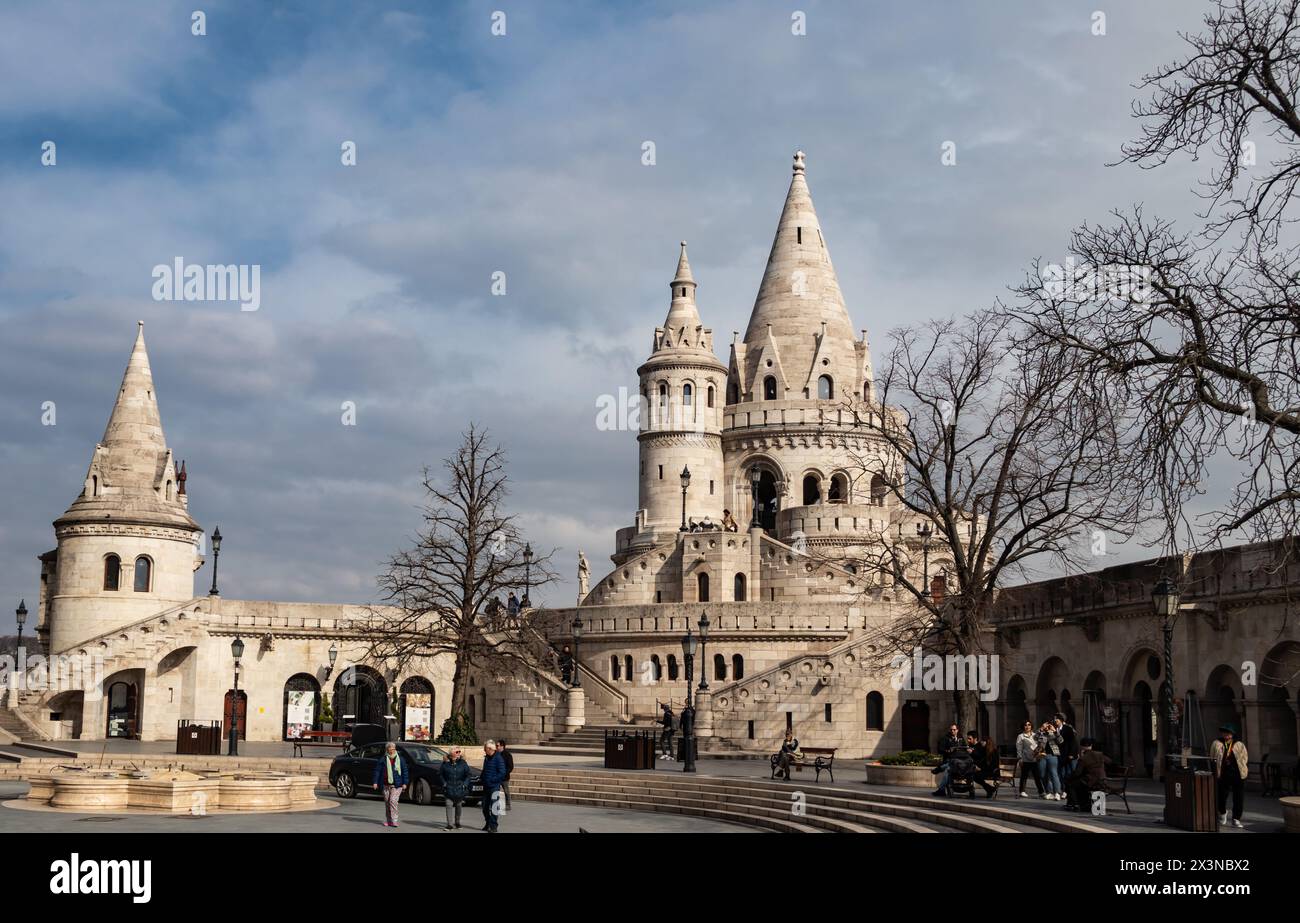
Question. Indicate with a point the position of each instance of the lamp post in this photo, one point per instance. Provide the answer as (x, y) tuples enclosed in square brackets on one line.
[(1164, 598), (688, 713), (334, 655), (686, 482), (216, 553), (21, 613), (528, 576), (704, 663), (236, 651), (755, 475), (577, 636)]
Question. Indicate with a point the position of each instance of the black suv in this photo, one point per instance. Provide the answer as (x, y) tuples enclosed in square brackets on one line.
[(352, 771)]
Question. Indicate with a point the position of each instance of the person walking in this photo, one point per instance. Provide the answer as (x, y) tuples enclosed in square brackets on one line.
[(494, 773), (1049, 740), (667, 722), (509, 759), (392, 774), (1231, 765), (1027, 752), (455, 785)]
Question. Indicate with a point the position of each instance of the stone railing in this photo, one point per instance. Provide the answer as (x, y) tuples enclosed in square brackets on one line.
[(673, 618), (600, 691)]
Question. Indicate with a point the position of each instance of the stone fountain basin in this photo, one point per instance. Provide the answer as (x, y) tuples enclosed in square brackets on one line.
[(172, 792)]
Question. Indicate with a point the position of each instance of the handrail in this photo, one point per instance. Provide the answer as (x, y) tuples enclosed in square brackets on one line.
[(621, 706)]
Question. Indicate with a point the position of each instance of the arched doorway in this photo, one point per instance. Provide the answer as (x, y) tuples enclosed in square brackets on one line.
[(417, 709), (1017, 708), (1051, 682), (301, 705), (359, 698), (123, 710), (239, 714), (916, 725), (739, 588), (768, 499)]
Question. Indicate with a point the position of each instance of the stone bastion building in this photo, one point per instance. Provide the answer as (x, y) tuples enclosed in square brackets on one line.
[(786, 491)]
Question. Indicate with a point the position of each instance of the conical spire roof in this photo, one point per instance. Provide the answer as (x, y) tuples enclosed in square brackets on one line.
[(682, 312), (132, 475), (800, 293)]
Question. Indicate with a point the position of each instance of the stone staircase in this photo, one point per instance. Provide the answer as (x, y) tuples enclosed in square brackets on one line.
[(771, 805)]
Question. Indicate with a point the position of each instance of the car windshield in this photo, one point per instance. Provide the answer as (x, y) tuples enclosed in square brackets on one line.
[(426, 755)]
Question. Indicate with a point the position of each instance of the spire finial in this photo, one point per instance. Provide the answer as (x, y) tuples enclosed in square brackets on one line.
[(798, 161)]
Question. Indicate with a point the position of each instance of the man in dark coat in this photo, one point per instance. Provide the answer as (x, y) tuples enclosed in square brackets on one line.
[(1069, 744), (509, 759), (946, 746), (494, 773), (1089, 776), (667, 722)]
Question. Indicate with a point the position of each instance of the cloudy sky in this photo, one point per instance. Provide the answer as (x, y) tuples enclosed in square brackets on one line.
[(479, 154)]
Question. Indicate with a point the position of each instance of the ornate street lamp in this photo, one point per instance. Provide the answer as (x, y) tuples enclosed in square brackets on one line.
[(704, 662), (334, 655), (21, 613), (577, 636), (216, 553), (528, 576), (755, 475), (1164, 599), (236, 651), (686, 482), (688, 713)]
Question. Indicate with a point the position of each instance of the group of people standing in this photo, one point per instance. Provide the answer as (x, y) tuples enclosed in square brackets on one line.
[(392, 776), (1064, 766)]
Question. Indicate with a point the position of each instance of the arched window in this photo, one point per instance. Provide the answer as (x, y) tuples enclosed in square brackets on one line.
[(839, 489), (629, 670), (878, 490), (672, 668), (656, 671), (719, 666), (875, 711), (143, 574), (812, 490), (615, 668), (710, 395), (112, 573), (94, 486), (663, 396), (733, 394), (769, 388), (866, 391), (740, 588), (688, 395), (737, 667), (702, 581), (825, 388)]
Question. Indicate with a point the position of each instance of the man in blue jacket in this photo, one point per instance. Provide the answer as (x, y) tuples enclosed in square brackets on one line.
[(494, 773), (392, 773)]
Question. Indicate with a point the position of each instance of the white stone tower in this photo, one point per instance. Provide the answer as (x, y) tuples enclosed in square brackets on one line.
[(681, 419), (127, 545)]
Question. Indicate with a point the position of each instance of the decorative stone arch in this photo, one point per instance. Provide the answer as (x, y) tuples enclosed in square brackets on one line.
[(416, 696), (875, 711), (1278, 702), (1053, 679), (301, 706), (123, 696), (142, 577), (810, 486), (1222, 699), (769, 488), (1017, 710), (366, 699), (702, 585), (840, 489), (112, 573)]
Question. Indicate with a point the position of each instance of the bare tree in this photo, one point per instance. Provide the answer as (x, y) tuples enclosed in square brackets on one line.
[(1007, 454), (443, 592), (1204, 352)]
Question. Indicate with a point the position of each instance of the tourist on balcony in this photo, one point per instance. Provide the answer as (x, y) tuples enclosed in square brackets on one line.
[(494, 773), (728, 522), (512, 604), (1029, 753), (392, 775), (455, 785)]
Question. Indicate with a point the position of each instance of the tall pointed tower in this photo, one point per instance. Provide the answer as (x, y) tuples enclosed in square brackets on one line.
[(681, 420), (127, 545)]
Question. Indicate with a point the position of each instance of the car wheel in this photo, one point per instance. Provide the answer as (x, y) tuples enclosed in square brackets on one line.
[(421, 793), (345, 785)]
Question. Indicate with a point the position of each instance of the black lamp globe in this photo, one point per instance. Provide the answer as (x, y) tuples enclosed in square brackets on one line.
[(237, 648), (1165, 598)]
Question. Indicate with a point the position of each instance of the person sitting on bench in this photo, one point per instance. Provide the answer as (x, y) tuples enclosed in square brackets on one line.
[(789, 754), (1089, 776), (988, 764)]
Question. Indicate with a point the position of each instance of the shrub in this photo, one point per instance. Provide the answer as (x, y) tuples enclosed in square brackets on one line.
[(457, 729), (911, 758)]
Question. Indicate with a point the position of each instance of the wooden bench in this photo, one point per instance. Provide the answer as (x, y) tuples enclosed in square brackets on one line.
[(1117, 785), (336, 739), (1275, 770), (823, 760)]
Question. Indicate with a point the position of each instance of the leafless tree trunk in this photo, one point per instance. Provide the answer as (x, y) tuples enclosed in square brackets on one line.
[(1007, 453), (442, 592)]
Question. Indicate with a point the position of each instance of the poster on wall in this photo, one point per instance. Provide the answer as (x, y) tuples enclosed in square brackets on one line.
[(301, 713), (419, 715)]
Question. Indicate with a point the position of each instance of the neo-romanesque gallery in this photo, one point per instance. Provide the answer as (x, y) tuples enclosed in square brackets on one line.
[(782, 507)]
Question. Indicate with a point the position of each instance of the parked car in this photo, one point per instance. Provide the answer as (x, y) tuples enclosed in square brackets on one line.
[(351, 772)]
